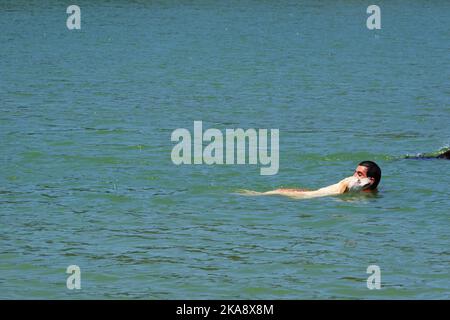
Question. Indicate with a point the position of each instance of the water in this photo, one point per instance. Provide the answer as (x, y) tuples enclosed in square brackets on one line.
[(86, 176)]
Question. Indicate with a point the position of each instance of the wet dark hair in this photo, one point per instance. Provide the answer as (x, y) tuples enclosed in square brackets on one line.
[(373, 171)]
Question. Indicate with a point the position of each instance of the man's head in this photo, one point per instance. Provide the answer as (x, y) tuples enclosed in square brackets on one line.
[(369, 169)]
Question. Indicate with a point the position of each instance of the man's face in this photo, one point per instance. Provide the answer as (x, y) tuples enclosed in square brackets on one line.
[(361, 172)]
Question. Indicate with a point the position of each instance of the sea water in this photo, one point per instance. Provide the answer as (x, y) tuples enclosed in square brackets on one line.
[(86, 175)]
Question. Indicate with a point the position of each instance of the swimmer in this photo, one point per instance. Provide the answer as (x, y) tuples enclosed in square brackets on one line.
[(370, 170), (366, 177)]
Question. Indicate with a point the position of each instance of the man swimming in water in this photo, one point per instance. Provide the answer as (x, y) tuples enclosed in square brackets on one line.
[(366, 177), (370, 170)]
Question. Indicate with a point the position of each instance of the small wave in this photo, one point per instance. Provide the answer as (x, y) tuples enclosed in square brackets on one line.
[(436, 154), (345, 156)]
